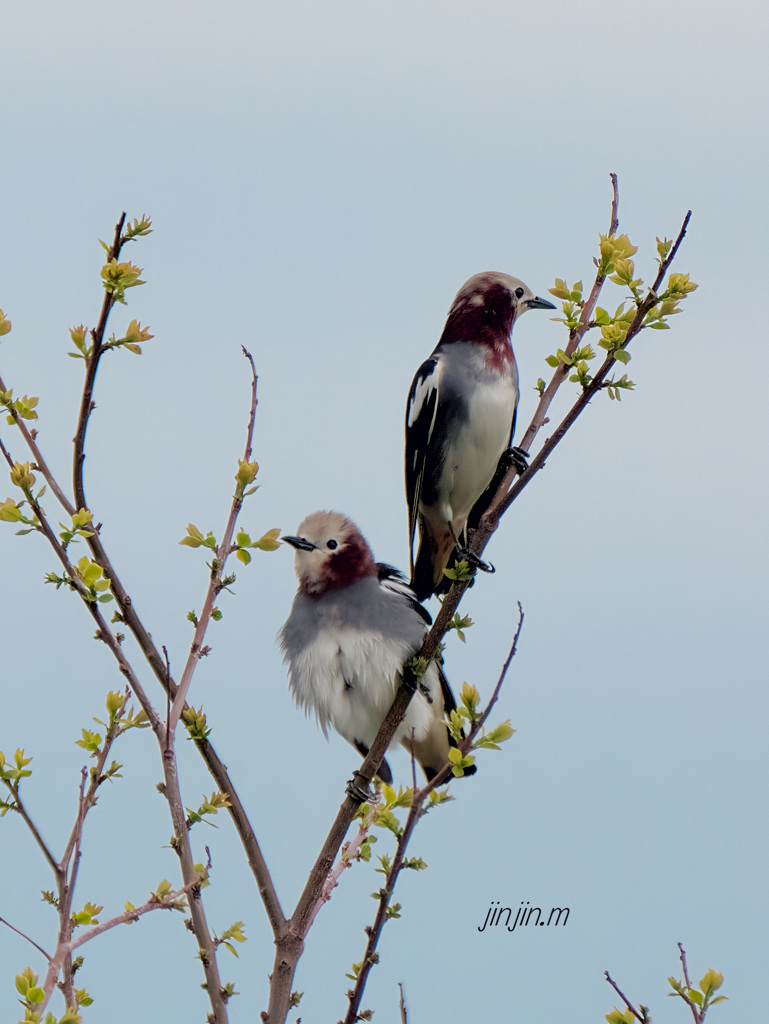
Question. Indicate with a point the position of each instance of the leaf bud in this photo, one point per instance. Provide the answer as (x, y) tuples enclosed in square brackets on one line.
[(22, 477)]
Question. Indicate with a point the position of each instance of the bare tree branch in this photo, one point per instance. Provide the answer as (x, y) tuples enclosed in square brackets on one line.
[(416, 811), (92, 365), (696, 1012), (31, 941), (212, 760), (133, 915), (624, 998), (62, 957), (222, 553), (348, 855), (181, 844), (35, 832), (40, 464)]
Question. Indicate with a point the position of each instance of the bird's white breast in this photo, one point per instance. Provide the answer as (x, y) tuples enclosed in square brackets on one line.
[(473, 455), (348, 678)]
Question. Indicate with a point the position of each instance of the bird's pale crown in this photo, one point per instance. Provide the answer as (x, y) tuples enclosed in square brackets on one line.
[(331, 553)]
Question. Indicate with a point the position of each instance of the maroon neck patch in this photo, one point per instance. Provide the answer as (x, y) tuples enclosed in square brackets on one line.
[(488, 323), (352, 562)]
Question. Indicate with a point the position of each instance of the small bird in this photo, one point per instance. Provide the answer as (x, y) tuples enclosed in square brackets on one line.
[(460, 422), (353, 624)]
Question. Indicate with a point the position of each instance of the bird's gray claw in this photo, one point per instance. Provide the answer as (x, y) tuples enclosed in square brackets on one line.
[(517, 459), (361, 794), (474, 561)]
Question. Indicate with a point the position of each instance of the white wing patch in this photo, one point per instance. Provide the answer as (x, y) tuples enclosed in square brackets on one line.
[(422, 393), (399, 587)]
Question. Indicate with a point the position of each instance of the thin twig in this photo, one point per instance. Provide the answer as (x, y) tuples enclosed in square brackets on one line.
[(575, 337), (21, 809), (508, 660), (222, 553), (6, 455), (254, 403), (32, 941), (624, 998), (348, 854), (104, 632), (67, 985), (133, 915), (416, 811), (503, 501), (40, 464), (682, 957), (66, 870), (404, 1017), (172, 793), (181, 844), (88, 799), (92, 366), (212, 760), (696, 1012)]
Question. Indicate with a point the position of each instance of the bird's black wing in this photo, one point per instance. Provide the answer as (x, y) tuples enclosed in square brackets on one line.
[(421, 412), (449, 701), (393, 579)]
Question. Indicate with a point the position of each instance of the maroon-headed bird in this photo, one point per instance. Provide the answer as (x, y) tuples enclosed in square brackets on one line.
[(353, 625), (460, 421)]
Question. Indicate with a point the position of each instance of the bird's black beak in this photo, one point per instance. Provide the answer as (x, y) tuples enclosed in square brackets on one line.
[(299, 543), (537, 303)]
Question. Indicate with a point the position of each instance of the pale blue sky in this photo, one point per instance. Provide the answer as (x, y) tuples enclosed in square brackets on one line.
[(322, 179)]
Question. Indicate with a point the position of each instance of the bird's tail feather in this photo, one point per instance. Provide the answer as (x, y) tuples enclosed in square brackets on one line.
[(422, 575), (433, 556)]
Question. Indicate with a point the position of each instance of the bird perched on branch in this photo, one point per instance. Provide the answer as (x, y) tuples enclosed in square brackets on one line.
[(460, 421), (353, 624)]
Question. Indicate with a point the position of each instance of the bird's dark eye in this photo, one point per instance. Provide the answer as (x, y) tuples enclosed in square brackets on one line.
[(519, 293), (332, 544)]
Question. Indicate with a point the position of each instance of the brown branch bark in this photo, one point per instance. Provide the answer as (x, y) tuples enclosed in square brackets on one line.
[(402, 1004), (416, 811), (24, 936), (33, 829), (697, 1013), (215, 765), (623, 997), (39, 464), (66, 876), (133, 915), (92, 366), (181, 844), (222, 553), (575, 337), (504, 498)]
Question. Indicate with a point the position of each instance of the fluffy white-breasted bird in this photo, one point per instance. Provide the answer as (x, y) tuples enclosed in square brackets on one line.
[(460, 421), (353, 624)]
